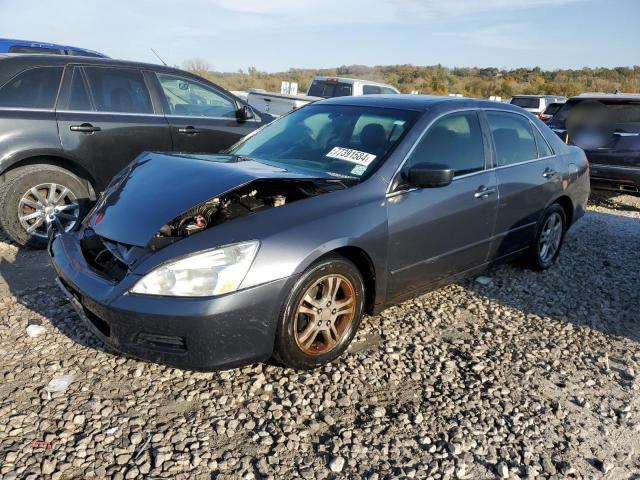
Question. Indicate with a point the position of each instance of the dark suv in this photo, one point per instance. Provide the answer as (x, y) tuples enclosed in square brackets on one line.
[(67, 125), (607, 128)]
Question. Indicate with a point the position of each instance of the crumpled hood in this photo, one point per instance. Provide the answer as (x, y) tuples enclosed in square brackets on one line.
[(156, 188)]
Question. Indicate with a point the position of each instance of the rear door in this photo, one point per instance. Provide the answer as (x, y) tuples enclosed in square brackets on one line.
[(107, 118), (435, 233), (529, 178), (202, 118)]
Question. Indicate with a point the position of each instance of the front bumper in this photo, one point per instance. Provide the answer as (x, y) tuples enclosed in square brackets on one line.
[(618, 179), (192, 333)]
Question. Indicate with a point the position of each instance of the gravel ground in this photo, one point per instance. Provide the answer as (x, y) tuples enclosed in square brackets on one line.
[(533, 375)]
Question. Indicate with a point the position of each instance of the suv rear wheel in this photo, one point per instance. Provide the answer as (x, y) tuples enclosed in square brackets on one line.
[(36, 196)]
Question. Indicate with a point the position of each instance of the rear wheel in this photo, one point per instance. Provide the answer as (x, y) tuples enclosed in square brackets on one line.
[(548, 242), (322, 314), (37, 196)]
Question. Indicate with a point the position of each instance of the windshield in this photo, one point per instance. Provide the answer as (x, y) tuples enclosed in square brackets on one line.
[(344, 141), (526, 102)]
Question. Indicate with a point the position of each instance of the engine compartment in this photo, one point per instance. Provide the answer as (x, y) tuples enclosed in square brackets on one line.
[(248, 199)]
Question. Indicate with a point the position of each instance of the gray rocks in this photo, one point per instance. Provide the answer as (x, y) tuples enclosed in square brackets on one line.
[(337, 464)]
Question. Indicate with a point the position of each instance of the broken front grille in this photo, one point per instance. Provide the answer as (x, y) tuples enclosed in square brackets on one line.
[(104, 256)]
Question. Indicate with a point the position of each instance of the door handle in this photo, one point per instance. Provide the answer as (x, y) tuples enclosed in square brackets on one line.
[(484, 192), (626, 134), (84, 128), (188, 130), (549, 173)]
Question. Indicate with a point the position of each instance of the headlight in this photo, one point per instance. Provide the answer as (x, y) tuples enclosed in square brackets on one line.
[(201, 275)]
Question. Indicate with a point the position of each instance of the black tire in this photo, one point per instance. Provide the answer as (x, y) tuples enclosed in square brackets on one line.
[(536, 257), (287, 349), (19, 181)]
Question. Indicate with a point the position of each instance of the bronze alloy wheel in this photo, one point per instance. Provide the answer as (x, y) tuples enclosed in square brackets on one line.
[(325, 314)]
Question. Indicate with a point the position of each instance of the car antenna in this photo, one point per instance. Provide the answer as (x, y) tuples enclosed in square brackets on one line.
[(159, 58)]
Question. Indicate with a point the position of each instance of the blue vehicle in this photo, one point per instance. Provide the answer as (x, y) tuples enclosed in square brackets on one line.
[(8, 45)]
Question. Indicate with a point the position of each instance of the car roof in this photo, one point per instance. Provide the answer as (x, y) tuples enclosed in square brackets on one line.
[(10, 42), (14, 63), (606, 96), (537, 96), (419, 103), (352, 80)]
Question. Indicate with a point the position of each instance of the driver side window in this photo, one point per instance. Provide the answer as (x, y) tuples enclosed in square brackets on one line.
[(192, 99), (454, 141)]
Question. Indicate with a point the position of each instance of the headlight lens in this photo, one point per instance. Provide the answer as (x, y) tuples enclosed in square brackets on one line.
[(201, 275)]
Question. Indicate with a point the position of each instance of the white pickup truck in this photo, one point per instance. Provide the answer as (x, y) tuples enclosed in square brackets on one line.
[(278, 104)]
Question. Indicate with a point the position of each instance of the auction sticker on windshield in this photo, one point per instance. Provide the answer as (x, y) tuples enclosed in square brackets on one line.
[(353, 156)]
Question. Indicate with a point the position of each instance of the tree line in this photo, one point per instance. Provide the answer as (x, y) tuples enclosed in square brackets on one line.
[(440, 80)]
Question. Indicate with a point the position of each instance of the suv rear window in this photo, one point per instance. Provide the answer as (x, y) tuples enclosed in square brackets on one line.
[(526, 102), (606, 113), (33, 88), (328, 89)]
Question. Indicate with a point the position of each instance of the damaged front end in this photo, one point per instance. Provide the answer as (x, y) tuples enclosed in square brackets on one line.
[(254, 197)]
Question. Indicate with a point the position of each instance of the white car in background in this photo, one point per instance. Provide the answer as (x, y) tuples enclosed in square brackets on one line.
[(277, 104), (536, 104)]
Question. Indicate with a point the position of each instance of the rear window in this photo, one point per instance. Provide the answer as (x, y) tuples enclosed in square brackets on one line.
[(30, 49), (607, 114), (553, 109), (526, 102), (371, 90), (82, 53), (33, 88), (328, 89)]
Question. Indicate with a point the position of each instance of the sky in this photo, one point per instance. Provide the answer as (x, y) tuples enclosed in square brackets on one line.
[(275, 35)]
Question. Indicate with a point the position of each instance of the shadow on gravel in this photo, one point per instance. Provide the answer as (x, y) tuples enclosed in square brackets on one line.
[(28, 276), (595, 283), (613, 201)]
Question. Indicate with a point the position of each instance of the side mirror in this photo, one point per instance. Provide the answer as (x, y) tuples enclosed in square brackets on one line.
[(429, 175), (245, 113)]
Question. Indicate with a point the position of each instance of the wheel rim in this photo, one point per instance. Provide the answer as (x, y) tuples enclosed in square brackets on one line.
[(325, 314), (550, 237), (46, 204)]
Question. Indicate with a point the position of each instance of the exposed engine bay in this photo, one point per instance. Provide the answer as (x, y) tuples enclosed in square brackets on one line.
[(253, 197)]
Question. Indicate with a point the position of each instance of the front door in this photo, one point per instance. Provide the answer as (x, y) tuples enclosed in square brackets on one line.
[(435, 233), (202, 118), (106, 119)]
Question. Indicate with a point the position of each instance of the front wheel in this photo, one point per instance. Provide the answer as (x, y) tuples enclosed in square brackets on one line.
[(321, 315), (549, 237), (36, 196)]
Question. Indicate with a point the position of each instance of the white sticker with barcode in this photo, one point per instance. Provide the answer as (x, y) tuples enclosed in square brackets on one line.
[(353, 156)]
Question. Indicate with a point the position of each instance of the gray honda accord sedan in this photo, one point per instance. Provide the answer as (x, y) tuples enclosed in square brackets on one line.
[(280, 245)]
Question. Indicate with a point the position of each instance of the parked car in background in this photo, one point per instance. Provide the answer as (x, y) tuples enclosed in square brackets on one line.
[(8, 45), (607, 128), (68, 124), (341, 208), (535, 104), (321, 87), (550, 111)]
